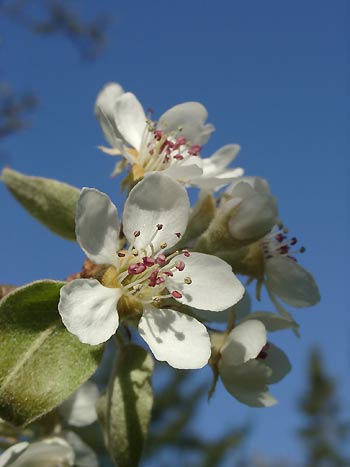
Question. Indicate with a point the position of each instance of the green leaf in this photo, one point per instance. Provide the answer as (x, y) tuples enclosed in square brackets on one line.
[(125, 410), (41, 363), (51, 202)]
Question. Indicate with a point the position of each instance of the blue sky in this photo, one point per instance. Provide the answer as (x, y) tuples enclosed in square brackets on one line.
[(274, 77)]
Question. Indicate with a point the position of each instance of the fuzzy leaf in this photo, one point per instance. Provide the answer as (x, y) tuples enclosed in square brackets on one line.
[(125, 409), (51, 202), (41, 363)]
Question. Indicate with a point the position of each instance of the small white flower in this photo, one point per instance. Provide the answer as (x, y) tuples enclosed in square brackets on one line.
[(171, 145), (248, 364), (80, 408), (143, 277), (50, 452)]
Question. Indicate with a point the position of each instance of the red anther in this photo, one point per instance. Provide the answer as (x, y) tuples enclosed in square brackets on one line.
[(137, 268), (293, 241), (186, 253), (150, 110), (159, 226), (166, 159), (280, 237), (284, 249), (137, 233), (178, 234), (180, 142), (194, 150), (160, 280), (153, 278), (161, 259), (178, 157), (176, 294), (151, 152), (180, 265), (158, 134), (148, 261), (168, 273)]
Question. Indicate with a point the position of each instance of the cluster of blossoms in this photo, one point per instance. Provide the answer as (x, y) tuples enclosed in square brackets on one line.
[(170, 271), (169, 294)]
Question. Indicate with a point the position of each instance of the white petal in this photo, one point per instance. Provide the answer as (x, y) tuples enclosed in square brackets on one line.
[(254, 218), (218, 162), (190, 116), (273, 322), (279, 363), (218, 181), (130, 119), (248, 383), (291, 282), (214, 286), (176, 338), (104, 111), (183, 172), (244, 343), (97, 226), (258, 184), (89, 310), (8, 457), (157, 199), (84, 455), (79, 409), (47, 453)]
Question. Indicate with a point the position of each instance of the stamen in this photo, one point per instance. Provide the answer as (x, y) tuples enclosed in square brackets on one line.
[(137, 233), (186, 253), (188, 280), (137, 268), (148, 261), (194, 150), (121, 254), (180, 265), (161, 260), (163, 245), (159, 226), (178, 234)]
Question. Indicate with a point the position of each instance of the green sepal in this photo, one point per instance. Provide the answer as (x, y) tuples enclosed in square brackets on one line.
[(51, 202), (125, 410), (41, 363)]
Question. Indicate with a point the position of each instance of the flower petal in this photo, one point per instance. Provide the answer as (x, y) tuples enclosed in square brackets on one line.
[(130, 119), (291, 282), (248, 383), (255, 217), (104, 111), (9, 456), (279, 363), (190, 116), (157, 199), (89, 310), (272, 321), (84, 455), (214, 286), (218, 162), (174, 337), (97, 226), (218, 181), (244, 343), (79, 409)]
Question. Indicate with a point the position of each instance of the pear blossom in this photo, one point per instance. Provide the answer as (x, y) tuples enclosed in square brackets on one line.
[(50, 452), (173, 144), (283, 276), (139, 282), (248, 364)]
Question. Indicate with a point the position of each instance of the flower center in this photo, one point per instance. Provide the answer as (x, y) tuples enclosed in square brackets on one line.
[(159, 149), (277, 243)]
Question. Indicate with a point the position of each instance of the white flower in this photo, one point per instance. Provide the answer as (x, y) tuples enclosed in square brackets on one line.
[(255, 209), (248, 364), (172, 144), (283, 276), (80, 408), (59, 451), (50, 452), (143, 278)]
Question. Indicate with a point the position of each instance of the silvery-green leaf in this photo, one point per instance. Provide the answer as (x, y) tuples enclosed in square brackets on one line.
[(51, 202), (41, 363), (125, 409)]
